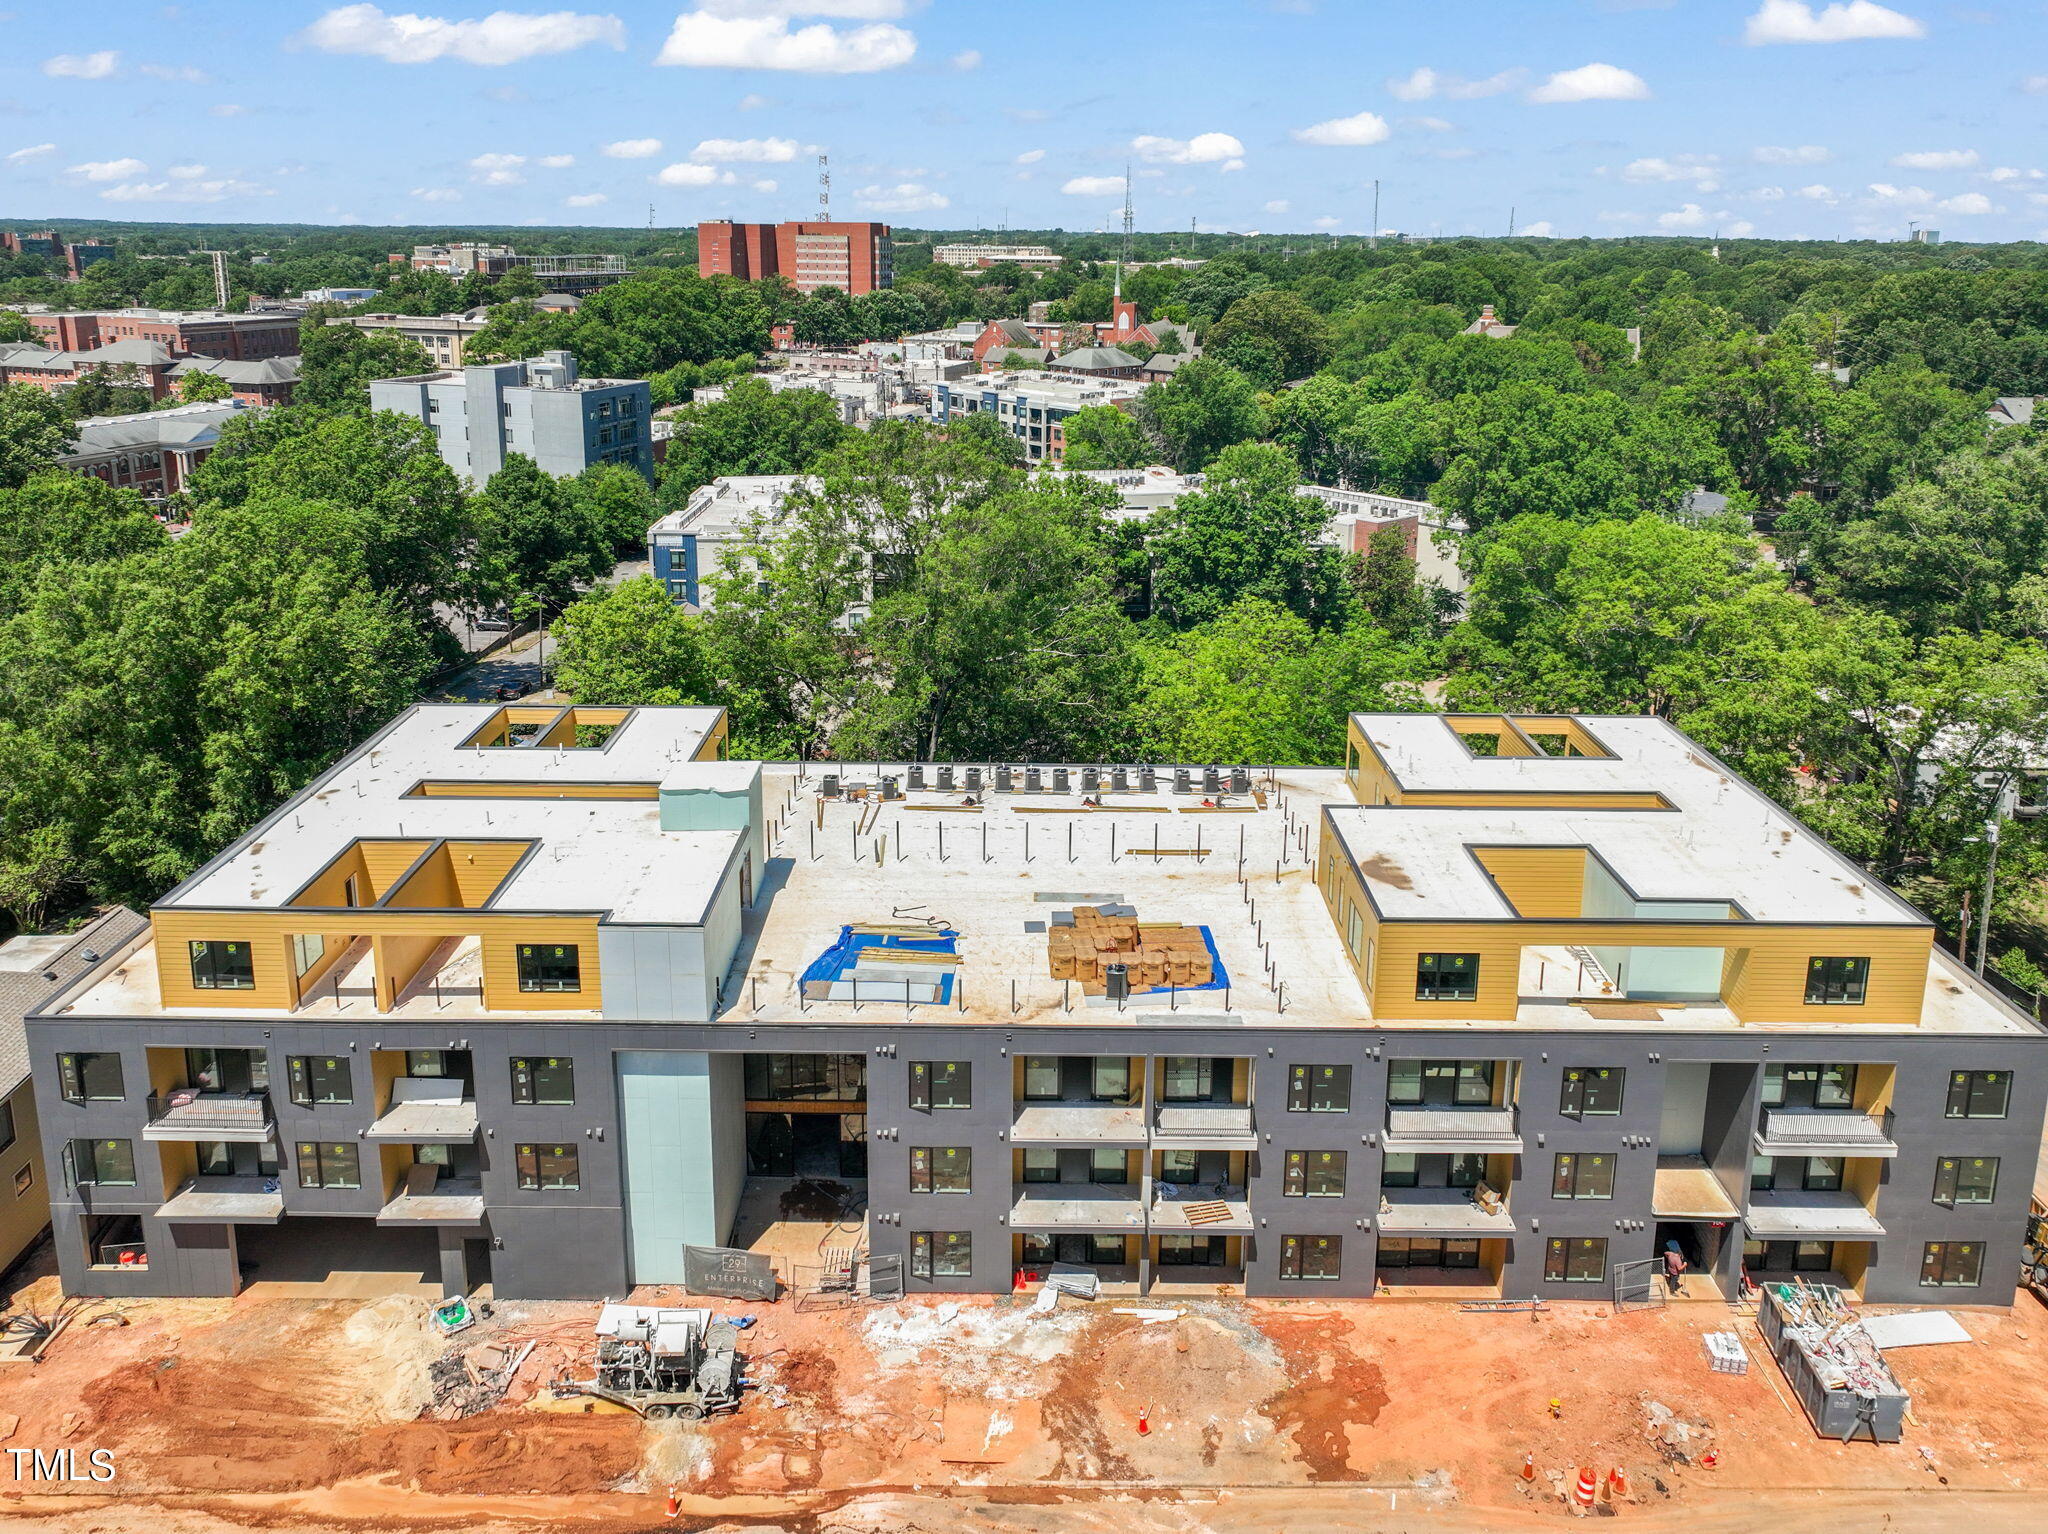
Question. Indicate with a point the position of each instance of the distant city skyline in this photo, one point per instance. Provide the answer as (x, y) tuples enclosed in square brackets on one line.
[(1773, 118)]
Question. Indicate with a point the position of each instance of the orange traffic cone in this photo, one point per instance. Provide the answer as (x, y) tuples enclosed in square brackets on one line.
[(1144, 1421), (1584, 1492), (1710, 1459), (675, 1505), (1528, 1467), (1618, 1484)]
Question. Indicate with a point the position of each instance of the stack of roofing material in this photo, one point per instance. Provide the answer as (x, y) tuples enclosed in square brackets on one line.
[(1084, 943), (879, 962), (1832, 1363)]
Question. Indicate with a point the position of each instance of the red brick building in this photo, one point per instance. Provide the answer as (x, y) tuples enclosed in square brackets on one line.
[(197, 333), (855, 258)]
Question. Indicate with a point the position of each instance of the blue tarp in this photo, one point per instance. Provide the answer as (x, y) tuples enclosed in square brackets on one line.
[(837, 962), (1219, 976)]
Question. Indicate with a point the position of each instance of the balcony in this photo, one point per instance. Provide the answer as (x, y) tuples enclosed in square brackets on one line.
[(1440, 1212), (1201, 1209), (426, 1110), (428, 1199), (187, 1113), (1825, 1132), (1796, 1215), (1078, 1123), (1426, 1131), (1687, 1189), (225, 1200), (1077, 1206), (1203, 1126)]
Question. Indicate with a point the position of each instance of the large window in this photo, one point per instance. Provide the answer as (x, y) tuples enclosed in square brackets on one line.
[(308, 949), (543, 1079), (1809, 1086), (1582, 1174), (1109, 1078), (1180, 1167), (941, 1084), (1189, 1079), (1311, 1257), (1440, 1083), (941, 1169), (90, 1078), (1314, 1174), (328, 1165), (312, 1079), (1427, 1252), (1109, 1165), (1952, 1264), (1447, 977), (1978, 1094), (1575, 1260), (1042, 1078), (1836, 982), (806, 1078), (1041, 1166), (1591, 1090), (1966, 1179), (1192, 1251), (104, 1163), (1464, 1169), (1318, 1089), (550, 967), (941, 1254), (1813, 1174), (1400, 1169), (7, 1130), (223, 966), (543, 1167)]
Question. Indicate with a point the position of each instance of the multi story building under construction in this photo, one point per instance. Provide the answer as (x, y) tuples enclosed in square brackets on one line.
[(1503, 1007)]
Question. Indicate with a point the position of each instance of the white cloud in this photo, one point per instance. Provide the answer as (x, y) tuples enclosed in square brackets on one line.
[(227, 109), (1967, 202), (754, 101), (1938, 159), (839, 10), (752, 151), (184, 72), (1346, 132), (497, 170), (2035, 85), (905, 197), (556, 161), (1540, 230), (1328, 221), (2004, 174), (1202, 149), (503, 37), (1430, 124), (1819, 193), (1794, 21), (186, 190), (1769, 194), (1093, 186), (186, 172), (1030, 157), (82, 66), (703, 39), (682, 173), (437, 194), (1702, 170), (1884, 191), (1278, 205), (1425, 83), (764, 186), (1691, 216), (966, 59), (107, 170), (22, 156), (1792, 154), (1592, 82), (632, 148), (585, 200)]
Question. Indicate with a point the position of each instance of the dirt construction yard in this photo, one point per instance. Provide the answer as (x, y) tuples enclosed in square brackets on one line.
[(968, 1414)]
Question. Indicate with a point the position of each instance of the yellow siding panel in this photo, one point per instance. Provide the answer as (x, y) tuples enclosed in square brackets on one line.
[(1538, 881)]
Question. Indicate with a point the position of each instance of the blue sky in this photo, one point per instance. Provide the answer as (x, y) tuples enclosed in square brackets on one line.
[(1838, 118)]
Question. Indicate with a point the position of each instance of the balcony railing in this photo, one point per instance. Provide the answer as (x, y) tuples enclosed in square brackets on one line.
[(1200, 1209), (1203, 1126), (1436, 1129), (1825, 1132), (1441, 1212), (188, 1113), (1799, 1215)]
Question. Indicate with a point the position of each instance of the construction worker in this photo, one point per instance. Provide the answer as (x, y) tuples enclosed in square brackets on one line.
[(1674, 1266)]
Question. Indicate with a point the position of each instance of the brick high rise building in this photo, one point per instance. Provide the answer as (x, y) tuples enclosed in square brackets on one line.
[(855, 258)]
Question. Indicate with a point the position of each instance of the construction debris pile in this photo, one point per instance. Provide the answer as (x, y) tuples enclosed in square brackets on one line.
[(1834, 1367), (469, 1380), (1113, 954)]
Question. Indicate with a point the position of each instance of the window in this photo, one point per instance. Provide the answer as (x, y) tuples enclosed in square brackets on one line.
[(1427, 1252), (227, 1070), (1575, 1260), (1809, 1086), (1447, 977), (24, 1178), (1109, 1079), (1108, 1166), (1440, 1083), (548, 1166), (941, 1084), (312, 1079), (1965, 1179), (328, 1165), (432, 1064), (543, 1079), (1354, 930), (1041, 1166), (1107, 1250), (1191, 1251), (1763, 1172), (1181, 1167), (104, 1163), (1978, 1094), (1952, 1264), (941, 1254), (1314, 1174), (1038, 1250), (223, 966), (1404, 1082), (940, 1169), (1836, 982), (1591, 1089), (1467, 1169), (1821, 1174), (1399, 1169), (308, 949), (1319, 1089), (1578, 1174), (1189, 1078), (550, 967), (90, 1078), (806, 1078), (433, 1155), (1311, 1257), (1041, 1078), (6, 1125)]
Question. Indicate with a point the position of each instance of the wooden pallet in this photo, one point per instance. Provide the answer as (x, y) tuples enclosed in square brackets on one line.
[(1211, 1212)]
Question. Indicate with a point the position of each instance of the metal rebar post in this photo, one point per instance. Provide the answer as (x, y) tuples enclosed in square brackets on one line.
[(984, 841), (814, 843), (1070, 841), (942, 838), (1027, 841), (1283, 996), (754, 992), (1013, 994), (856, 841), (1066, 995)]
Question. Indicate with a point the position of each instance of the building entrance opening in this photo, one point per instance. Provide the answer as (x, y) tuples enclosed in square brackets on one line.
[(1700, 1243), (807, 1157)]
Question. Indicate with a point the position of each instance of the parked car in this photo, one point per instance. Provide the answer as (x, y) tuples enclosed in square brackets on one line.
[(508, 691)]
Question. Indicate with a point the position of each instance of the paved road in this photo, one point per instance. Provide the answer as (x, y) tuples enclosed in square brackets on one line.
[(517, 662)]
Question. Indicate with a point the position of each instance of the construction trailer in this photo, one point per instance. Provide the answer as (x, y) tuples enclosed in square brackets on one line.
[(662, 1363), (1832, 1363)]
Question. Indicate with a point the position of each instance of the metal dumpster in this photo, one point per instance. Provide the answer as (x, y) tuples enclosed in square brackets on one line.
[(1834, 1368)]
